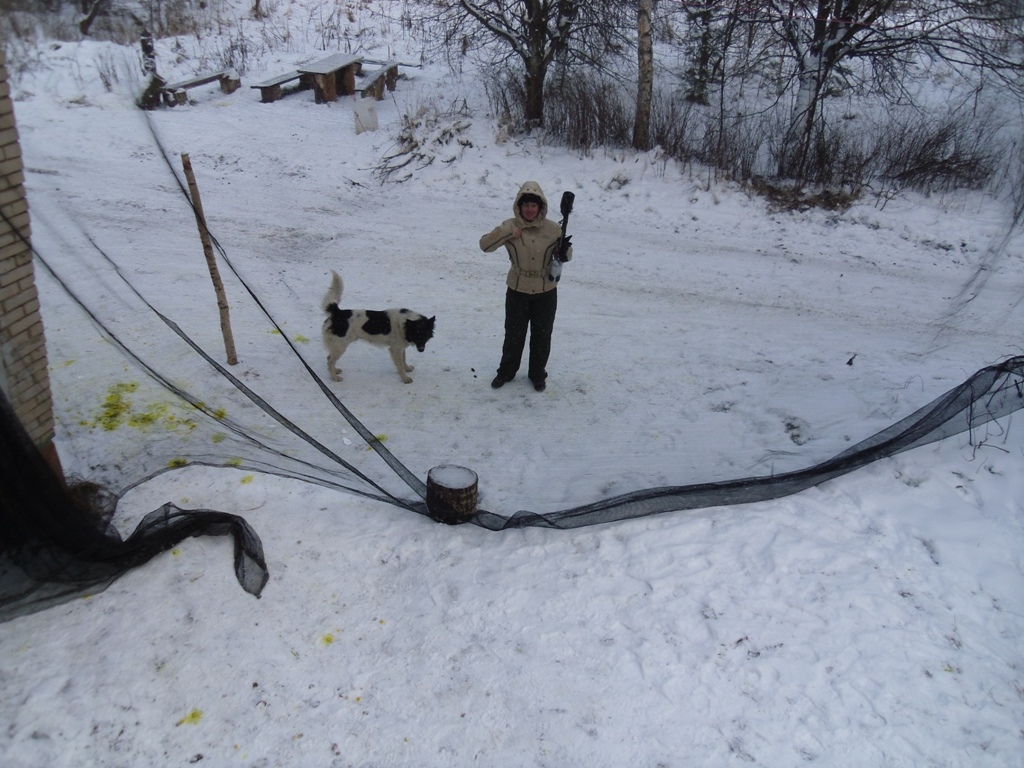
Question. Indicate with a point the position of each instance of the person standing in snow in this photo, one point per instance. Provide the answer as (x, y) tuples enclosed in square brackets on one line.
[(531, 298)]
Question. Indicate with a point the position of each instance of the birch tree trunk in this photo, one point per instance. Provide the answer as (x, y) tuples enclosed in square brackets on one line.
[(645, 78)]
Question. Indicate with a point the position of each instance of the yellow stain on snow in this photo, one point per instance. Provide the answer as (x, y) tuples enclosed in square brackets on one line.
[(192, 718), (118, 409)]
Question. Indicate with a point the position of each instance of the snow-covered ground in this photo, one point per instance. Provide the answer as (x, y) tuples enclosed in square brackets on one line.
[(701, 336)]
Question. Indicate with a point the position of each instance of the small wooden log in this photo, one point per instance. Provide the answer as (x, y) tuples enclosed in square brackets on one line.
[(451, 494), (230, 82)]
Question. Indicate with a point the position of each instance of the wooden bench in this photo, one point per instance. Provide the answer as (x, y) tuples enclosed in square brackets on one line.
[(373, 82), (177, 93), (333, 75), (270, 90)]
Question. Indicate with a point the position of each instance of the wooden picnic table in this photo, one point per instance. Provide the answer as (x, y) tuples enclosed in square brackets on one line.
[(333, 75)]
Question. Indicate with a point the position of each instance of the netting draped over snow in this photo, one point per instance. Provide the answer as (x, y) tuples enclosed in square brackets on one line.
[(989, 394), (54, 549), (55, 545)]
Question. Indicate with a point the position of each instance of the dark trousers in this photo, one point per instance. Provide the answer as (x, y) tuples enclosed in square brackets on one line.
[(533, 311)]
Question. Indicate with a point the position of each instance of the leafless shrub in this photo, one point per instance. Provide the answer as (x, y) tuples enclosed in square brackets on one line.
[(673, 126), (581, 110), (736, 144), (27, 26), (925, 152), (17, 37), (506, 96), (331, 31), (274, 35), (932, 154), (584, 112), (733, 145), (168, 18), (118, 21), (837, 156), (233, 49)]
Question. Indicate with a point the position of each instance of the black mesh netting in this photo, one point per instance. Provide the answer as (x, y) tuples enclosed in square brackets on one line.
[(58, 543)]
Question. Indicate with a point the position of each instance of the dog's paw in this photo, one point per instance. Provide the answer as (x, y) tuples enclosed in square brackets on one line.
[(335, 376), (410, 367), (407, 379)]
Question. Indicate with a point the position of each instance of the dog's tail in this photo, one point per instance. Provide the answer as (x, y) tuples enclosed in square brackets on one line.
[(333, 295)]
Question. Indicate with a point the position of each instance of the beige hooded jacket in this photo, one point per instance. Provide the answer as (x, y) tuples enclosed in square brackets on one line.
[(532, 251)]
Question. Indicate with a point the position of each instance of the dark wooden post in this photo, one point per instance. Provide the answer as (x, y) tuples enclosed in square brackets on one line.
[(347, 77), (327, 88), (154, 93), (148, 53)]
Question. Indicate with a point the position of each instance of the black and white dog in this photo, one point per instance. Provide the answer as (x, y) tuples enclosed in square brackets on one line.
[(394, 328)]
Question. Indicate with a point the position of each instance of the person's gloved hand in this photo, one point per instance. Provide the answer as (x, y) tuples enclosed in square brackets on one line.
[(563, 247)]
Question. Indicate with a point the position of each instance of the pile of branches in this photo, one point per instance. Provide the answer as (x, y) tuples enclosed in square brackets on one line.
[(428, 134)]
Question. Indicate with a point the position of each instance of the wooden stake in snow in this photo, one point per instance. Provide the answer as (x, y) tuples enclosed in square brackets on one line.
[(204, 236), (451, 494)]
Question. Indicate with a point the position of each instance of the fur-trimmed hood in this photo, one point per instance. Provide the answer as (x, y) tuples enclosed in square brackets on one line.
[(530, 188)]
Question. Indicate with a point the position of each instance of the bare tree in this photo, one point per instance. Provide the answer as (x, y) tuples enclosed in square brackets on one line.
[(826, 37), (645, 78), (91, 9), (535, 33)]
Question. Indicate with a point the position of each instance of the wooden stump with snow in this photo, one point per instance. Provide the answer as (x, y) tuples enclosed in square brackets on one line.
[(451, 494)]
